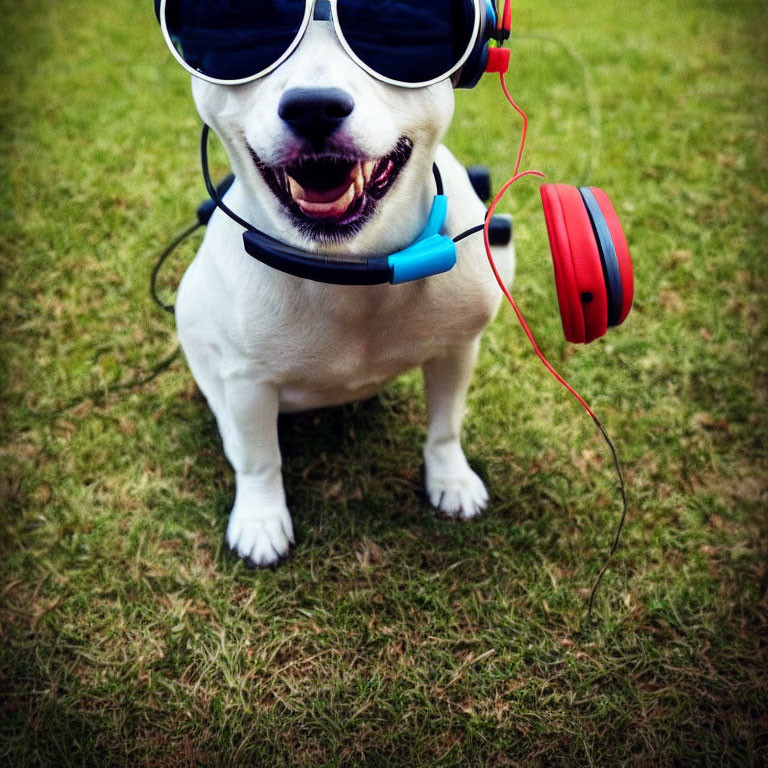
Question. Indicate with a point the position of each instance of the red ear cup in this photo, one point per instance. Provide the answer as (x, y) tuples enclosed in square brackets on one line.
[(579, 280), (590, 256)]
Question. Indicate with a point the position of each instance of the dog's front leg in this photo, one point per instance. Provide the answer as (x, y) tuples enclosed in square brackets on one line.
[(260, 528), (452, 486)]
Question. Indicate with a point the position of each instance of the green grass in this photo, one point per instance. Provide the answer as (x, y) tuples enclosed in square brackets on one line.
[(130, 636)]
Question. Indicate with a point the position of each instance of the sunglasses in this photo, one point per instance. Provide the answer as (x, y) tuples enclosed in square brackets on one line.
[(409, 43)]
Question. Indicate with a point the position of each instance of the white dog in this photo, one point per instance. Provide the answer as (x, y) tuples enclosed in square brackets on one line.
[(260, 341)]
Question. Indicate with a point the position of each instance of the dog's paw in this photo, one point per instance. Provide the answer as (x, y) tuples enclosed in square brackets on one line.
[(261, 537), (455, 489)]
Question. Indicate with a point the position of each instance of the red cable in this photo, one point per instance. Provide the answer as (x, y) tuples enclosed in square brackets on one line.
[(524, 131), (491, 208)]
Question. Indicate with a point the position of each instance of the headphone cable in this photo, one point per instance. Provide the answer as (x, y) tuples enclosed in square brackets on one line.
[(167, 251), (550, 368)]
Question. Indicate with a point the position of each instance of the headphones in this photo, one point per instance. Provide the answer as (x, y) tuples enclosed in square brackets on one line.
[(592, 265)]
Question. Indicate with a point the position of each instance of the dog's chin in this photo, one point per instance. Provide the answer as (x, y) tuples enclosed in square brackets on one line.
[(330, 195)]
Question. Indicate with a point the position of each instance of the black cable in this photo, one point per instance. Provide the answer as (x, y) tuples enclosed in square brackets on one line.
[(180, 238), (468, 232), (438, 178), (212, 189), (622, 518), (100, 395), (472, 230)]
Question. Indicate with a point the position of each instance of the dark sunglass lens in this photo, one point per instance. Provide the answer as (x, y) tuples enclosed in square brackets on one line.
[(233, 39), (411, 41)]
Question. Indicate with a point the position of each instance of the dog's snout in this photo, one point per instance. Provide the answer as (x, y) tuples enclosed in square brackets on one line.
[(315, 113)]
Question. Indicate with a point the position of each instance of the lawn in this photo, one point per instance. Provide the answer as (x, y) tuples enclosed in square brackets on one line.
[(130, 636)]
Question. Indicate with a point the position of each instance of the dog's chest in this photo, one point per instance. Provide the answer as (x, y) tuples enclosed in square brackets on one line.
[(348, 350)]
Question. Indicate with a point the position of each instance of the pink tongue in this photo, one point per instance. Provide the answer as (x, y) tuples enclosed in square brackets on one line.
[(317, 196), (317, 204)]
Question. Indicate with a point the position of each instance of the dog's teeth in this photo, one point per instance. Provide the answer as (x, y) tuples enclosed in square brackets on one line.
[(296, 190), (368, 167), (359, 180)]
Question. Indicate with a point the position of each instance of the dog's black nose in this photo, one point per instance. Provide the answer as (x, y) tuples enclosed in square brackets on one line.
[(315, 113)]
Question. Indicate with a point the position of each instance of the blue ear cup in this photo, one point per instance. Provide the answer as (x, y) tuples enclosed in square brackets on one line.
[(608, 258), (474, 67)]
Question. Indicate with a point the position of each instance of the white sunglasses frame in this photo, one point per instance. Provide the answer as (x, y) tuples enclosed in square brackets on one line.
[(308, 17)]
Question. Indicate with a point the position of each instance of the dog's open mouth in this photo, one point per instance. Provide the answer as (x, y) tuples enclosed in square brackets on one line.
[(331, 195)]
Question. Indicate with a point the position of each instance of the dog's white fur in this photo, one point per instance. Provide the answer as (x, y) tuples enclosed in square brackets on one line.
[(260, 342)]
